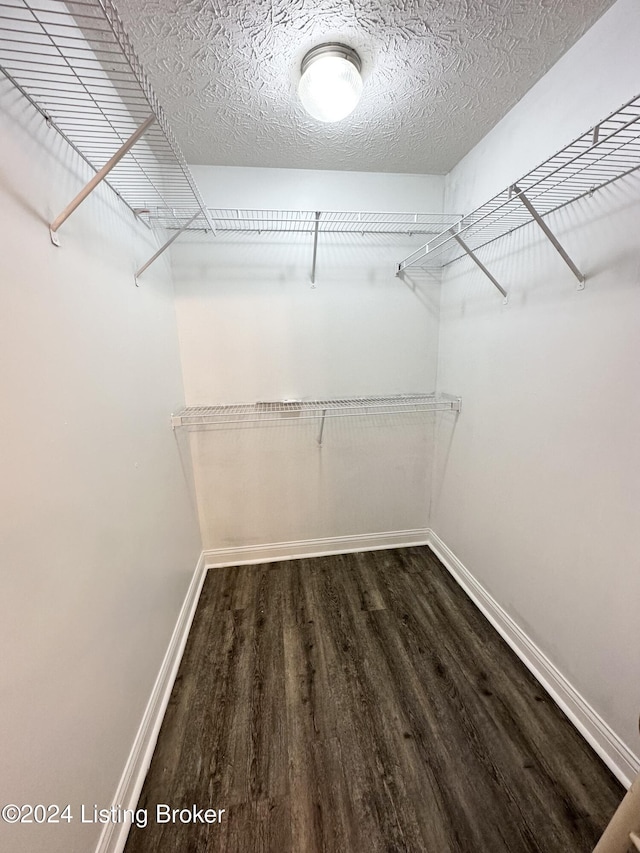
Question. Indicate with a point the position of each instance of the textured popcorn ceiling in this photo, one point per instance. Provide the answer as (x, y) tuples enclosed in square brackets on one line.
[(438, 74)]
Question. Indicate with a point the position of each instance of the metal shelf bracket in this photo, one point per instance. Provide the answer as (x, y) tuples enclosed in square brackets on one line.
[(324, 415), (165, 246), (477, 261), (549, 233), (315, 248), (100, 175)]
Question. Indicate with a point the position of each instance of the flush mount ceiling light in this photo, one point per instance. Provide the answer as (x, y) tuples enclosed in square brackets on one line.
[(331, 84)]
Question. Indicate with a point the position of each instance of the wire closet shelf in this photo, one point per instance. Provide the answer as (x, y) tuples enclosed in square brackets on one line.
[(315, 224), (603, 154), (74, 62), (236, 413), (245, 220)]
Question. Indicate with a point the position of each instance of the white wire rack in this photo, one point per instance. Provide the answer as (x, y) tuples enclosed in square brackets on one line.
[(315, 223), (603, 154), (75, 64), (237, 413), (304, 221)]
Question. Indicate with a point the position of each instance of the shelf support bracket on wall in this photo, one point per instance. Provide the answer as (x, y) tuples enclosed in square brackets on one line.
[(315, 248), (165, 246), (477, 261), (550, 236), (324, 415), (98, 178)]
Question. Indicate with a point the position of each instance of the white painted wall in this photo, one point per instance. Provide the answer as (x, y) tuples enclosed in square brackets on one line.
[(253, 328), (312, 189), (98, 531), (537, 489)]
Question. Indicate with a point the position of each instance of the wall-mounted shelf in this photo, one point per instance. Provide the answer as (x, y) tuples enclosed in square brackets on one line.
[(312, 222), (603, 154), (241, 413), (239, 220), (75, 64)]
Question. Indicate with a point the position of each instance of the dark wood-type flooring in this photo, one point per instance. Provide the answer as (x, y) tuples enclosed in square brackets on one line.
[(361, 703)]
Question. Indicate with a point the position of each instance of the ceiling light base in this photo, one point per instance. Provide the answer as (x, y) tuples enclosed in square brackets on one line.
[(330, 85), (335, 49)]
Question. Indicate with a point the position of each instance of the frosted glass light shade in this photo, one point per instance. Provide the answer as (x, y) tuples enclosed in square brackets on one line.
[(331, 85)]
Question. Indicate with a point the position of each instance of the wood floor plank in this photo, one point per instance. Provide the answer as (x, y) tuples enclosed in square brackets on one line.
[(377, 777), (469, 656), (442, 732), (368, 589), (310, 722), (362, 703), (522, 717)]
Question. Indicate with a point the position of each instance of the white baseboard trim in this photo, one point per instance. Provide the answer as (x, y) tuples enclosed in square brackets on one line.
[(249, 554), (114, 835), (611, 749)]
